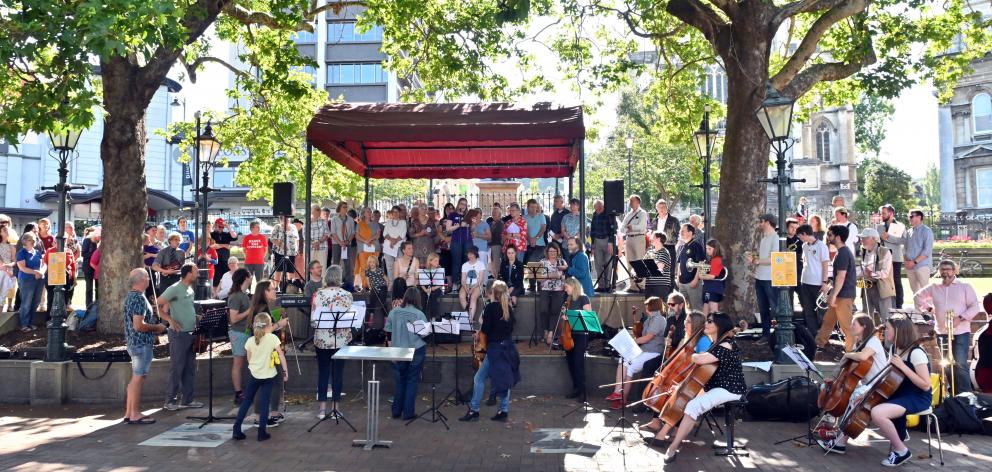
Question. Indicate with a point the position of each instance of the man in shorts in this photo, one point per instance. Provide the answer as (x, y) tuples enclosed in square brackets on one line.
[(140, 330)]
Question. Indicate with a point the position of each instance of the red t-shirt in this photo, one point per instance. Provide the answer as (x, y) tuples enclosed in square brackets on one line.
[(716, 266), (47, 241), (255, 246)]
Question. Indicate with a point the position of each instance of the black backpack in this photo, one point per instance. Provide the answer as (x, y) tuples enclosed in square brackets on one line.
[(958, 415)]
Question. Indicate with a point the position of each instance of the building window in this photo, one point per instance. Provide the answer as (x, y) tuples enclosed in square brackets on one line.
[(304, 37), (351, 74), (344, 32), (983, 187), (715, 84), (823, 142), (223, 178), (981, 113)]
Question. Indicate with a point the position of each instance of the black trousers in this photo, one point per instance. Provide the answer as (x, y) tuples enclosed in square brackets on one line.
[(549, 308), (897, 277), (576, 359), (88, 276), (811, 315)]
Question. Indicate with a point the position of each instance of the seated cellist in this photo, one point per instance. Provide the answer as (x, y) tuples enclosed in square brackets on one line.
[(652, 342), (913, 395), (727, 383), (863, 328), (694, 323)]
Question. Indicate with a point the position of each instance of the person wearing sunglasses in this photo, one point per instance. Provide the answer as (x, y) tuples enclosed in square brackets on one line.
[(727, 383)]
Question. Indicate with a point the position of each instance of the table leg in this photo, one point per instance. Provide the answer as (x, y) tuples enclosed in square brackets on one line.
[(372, 418)]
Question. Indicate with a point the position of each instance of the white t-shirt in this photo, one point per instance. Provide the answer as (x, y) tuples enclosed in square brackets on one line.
[(474, 273), (918, 357), (768, 244), (814, 255), (393, 229), (225, 285), (878, 360)]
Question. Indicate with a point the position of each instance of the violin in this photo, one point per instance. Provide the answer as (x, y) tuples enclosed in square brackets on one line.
[(695, 379), (565, 338), (836, 393), (638, 322), (479, 346), (670, 374), (880, 389)]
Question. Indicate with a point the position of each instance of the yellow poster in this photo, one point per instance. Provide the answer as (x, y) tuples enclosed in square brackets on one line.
[(784, 269), (56, 268)]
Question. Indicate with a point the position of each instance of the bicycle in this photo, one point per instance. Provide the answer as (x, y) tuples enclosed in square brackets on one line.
[(966, 267)]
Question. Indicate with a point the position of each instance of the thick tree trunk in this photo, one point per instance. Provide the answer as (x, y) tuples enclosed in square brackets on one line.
[(745, 162), (124, 209)]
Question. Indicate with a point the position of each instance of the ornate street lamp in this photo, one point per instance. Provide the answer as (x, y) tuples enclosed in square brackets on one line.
[(207, 148), (705, 138), (775, 116), (63, 142)]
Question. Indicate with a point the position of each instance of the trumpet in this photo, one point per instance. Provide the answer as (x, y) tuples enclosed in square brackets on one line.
[(698, 265), (823, 301), (865, 283)]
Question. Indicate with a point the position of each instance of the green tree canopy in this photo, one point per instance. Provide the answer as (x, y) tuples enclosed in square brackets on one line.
[(880, 183), (871, 114)]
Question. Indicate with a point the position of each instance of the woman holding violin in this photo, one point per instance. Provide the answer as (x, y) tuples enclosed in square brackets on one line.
[(726, 384), (912, 395), (863, 328), (576, 300), (502, 363), (652, 342)]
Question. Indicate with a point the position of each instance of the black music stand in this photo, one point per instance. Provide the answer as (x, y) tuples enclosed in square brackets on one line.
[(435, 408), (800, 359), (456, 392), (212, 325), (622, 421), (538, 274), (586, 322), (434, 278), (645, 268), (333, 318)]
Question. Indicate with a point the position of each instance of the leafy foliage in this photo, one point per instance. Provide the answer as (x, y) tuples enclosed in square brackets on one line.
[(870, 117), (931, 189), (880, 183)]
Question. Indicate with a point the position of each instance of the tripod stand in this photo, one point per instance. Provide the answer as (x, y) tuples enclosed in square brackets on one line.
[(802, 361), (285, 263), (334, 318), (610, 270), (214, 321)]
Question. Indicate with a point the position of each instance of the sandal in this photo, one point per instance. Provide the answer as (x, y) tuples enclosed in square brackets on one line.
[(142, 420)]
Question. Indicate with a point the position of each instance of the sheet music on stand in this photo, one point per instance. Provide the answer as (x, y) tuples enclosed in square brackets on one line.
[(801, 360), (625, 345), (331, 318), (430, 277), (464, 321), (359, 307), (425, 328)]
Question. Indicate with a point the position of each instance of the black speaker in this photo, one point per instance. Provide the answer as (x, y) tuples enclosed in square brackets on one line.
[(282, 199), (613, 198)]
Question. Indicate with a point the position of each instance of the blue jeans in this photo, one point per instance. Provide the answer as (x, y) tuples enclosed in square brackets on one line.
[(328, 368), (767, 304), (31, 289), (479, 386), (407, 376), (263, 387)]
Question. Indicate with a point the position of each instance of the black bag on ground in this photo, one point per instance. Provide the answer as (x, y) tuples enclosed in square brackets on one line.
[(957, 415), (792, 399)]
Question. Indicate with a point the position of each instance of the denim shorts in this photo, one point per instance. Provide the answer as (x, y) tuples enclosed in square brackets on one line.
[(712, 297), (238, 340), (141, 359)]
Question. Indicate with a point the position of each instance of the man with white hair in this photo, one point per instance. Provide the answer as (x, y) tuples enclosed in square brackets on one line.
[(876, 269), (140, 331), (226, 282)]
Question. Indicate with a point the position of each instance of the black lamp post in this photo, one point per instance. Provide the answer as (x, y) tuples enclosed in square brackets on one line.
[(63, 143), (628, 142), (207, 147), (775, 115), (705, 138)]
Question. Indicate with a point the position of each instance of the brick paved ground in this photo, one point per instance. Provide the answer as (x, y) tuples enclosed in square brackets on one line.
[(83, 437)]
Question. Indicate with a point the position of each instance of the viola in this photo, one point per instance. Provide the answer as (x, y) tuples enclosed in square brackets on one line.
[(670, 374), (638, 322), (836, 393), (880, 389), (565, 337), (696, 378)]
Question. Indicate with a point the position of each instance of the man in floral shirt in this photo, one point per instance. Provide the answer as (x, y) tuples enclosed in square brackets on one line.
[(515, 231)]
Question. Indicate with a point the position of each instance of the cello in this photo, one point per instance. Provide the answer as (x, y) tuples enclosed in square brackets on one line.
[(696, 377), (836, 392), (880, 389), (671, 373)]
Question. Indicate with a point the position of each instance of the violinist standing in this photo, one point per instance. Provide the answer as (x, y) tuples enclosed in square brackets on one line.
[(502, 363), (577, 300), (727, 383)]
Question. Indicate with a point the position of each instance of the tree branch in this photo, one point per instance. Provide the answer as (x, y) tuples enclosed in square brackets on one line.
[(831, 71), (803, 6), (809, 43), (698, 15), (192, 67), (247, 17)]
